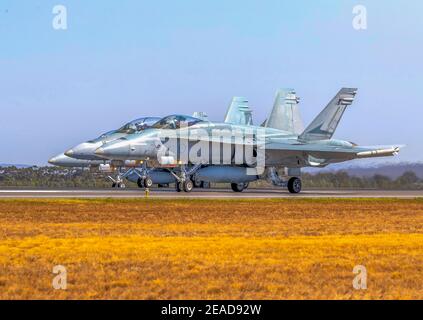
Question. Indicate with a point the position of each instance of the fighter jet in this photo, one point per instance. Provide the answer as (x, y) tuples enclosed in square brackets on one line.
[(195, 149), (83, 154)]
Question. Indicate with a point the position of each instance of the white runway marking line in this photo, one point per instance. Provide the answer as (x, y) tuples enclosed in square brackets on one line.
[(30, 191), (51, 191)]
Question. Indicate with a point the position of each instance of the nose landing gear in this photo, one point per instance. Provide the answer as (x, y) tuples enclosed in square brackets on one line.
[(148, 182), (144, 180), (118, 181), (184, 178), (118, 185), (188, 185)]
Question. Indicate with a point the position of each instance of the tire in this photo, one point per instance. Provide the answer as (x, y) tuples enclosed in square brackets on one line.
[(121, 186), (198, 183), (188, 186), (238, 187), (148, 183), (178, 186), (114, 185), (294, 185), (140, 183)]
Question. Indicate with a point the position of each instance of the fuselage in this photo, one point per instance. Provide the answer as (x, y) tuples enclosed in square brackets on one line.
[(148, 144), (168, 143)]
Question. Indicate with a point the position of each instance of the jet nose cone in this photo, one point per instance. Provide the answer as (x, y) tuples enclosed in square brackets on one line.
[(69, 153), (116, 150), (53, 160), (84, 151)]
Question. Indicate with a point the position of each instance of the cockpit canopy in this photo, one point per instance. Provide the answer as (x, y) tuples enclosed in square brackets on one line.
[(138, 125), (175, 122), (131, 127)]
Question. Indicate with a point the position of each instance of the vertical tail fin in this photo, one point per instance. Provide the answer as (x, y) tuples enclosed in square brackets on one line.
[(325, 124), (239, 112), (285, 114), (201, 115)]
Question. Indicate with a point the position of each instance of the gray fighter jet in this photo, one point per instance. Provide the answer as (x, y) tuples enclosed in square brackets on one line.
[(193, 149), (83, 155)]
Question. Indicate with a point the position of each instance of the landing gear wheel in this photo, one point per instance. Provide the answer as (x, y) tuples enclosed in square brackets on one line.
[(148, 183), (198, 183), (188, 186), (140, 183), (238, 187), (121, 186), (114, 185), (178, 186), (294, 185)]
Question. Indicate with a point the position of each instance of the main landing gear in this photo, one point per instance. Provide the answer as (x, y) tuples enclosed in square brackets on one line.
[(294, 185)]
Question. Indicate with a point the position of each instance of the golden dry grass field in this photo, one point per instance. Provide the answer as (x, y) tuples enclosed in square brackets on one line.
[(211, 249)]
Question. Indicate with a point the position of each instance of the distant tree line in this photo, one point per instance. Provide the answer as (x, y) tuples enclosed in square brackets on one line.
[(53, 177), (341, 179)]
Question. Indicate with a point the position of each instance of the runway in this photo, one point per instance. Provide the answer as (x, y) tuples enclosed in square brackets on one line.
[(206, 194)]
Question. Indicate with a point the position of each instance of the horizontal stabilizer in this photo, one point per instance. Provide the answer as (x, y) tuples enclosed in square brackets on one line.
[(285, 114), (239, 112), (325, 124)]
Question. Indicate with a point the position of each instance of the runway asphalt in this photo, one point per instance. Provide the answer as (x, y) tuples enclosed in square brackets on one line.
[(206, 193)]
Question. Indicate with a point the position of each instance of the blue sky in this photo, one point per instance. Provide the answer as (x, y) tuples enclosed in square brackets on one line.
[(120, 60)]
